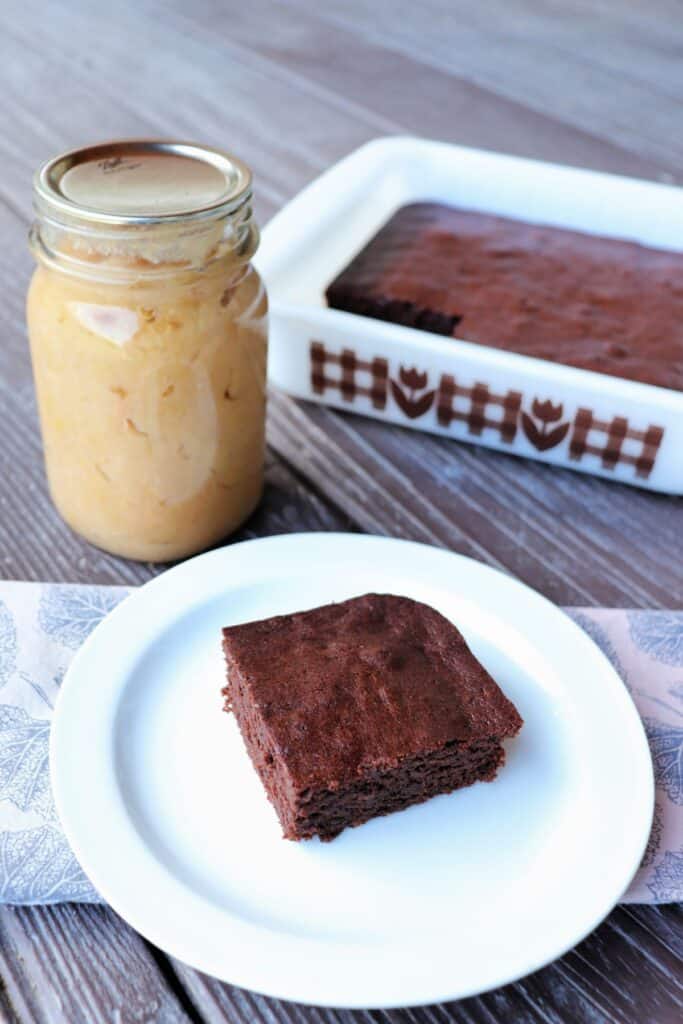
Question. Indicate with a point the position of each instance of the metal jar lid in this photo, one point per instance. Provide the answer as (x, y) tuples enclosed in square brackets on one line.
[(140, 181)]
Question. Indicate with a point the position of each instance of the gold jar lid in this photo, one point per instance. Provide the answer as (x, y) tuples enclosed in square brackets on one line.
[(141, 181)]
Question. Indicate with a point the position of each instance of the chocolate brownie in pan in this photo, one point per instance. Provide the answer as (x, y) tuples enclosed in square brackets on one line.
[(602, 304)]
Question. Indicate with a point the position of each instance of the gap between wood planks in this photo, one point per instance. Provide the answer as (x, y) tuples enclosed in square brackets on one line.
[(351, 61), (557, 530), (513, 52)]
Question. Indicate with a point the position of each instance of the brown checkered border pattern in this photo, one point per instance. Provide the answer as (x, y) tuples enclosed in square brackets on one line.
[(375, 373), (604, 439), (478, 399)]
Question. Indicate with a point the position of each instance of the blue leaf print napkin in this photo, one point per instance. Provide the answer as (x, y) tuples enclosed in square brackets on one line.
[(646, 649), (41, 628), (42, 625)]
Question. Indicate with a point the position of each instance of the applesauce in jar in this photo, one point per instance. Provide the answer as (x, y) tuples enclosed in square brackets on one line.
[(147, 327)]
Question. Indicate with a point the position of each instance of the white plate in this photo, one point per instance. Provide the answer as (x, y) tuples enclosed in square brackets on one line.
[(463, 893)]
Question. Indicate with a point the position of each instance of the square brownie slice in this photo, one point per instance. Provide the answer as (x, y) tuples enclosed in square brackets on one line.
[(361, 708)]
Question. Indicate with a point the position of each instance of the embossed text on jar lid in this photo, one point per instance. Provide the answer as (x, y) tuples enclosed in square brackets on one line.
[(138, 181)]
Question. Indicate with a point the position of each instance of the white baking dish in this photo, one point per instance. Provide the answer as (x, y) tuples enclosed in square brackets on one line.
[(619, 429)]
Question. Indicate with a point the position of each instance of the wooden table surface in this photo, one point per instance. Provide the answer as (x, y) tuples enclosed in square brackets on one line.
[(292, 87)]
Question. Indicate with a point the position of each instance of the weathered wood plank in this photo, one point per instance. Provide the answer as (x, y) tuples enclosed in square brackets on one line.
[(439, 102), (521, 57), (279, 127), (665, 924), (81, 965), (568, 535), (643, 48)]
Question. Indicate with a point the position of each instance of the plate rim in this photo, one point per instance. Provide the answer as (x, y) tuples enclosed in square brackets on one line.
[(437, 992)]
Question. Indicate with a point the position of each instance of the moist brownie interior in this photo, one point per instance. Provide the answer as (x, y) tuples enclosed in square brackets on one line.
[(601, 304), (357, 709)]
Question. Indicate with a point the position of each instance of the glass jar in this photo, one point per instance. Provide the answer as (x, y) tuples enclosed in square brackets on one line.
[(147, 327)]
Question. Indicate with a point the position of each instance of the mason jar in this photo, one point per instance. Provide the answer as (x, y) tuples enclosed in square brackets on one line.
[(148, 332)]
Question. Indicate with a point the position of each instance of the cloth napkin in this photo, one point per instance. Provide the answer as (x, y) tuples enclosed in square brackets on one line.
[(43, 624)]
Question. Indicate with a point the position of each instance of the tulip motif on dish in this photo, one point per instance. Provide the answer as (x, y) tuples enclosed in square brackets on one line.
[(407, 393), (542, 434)]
